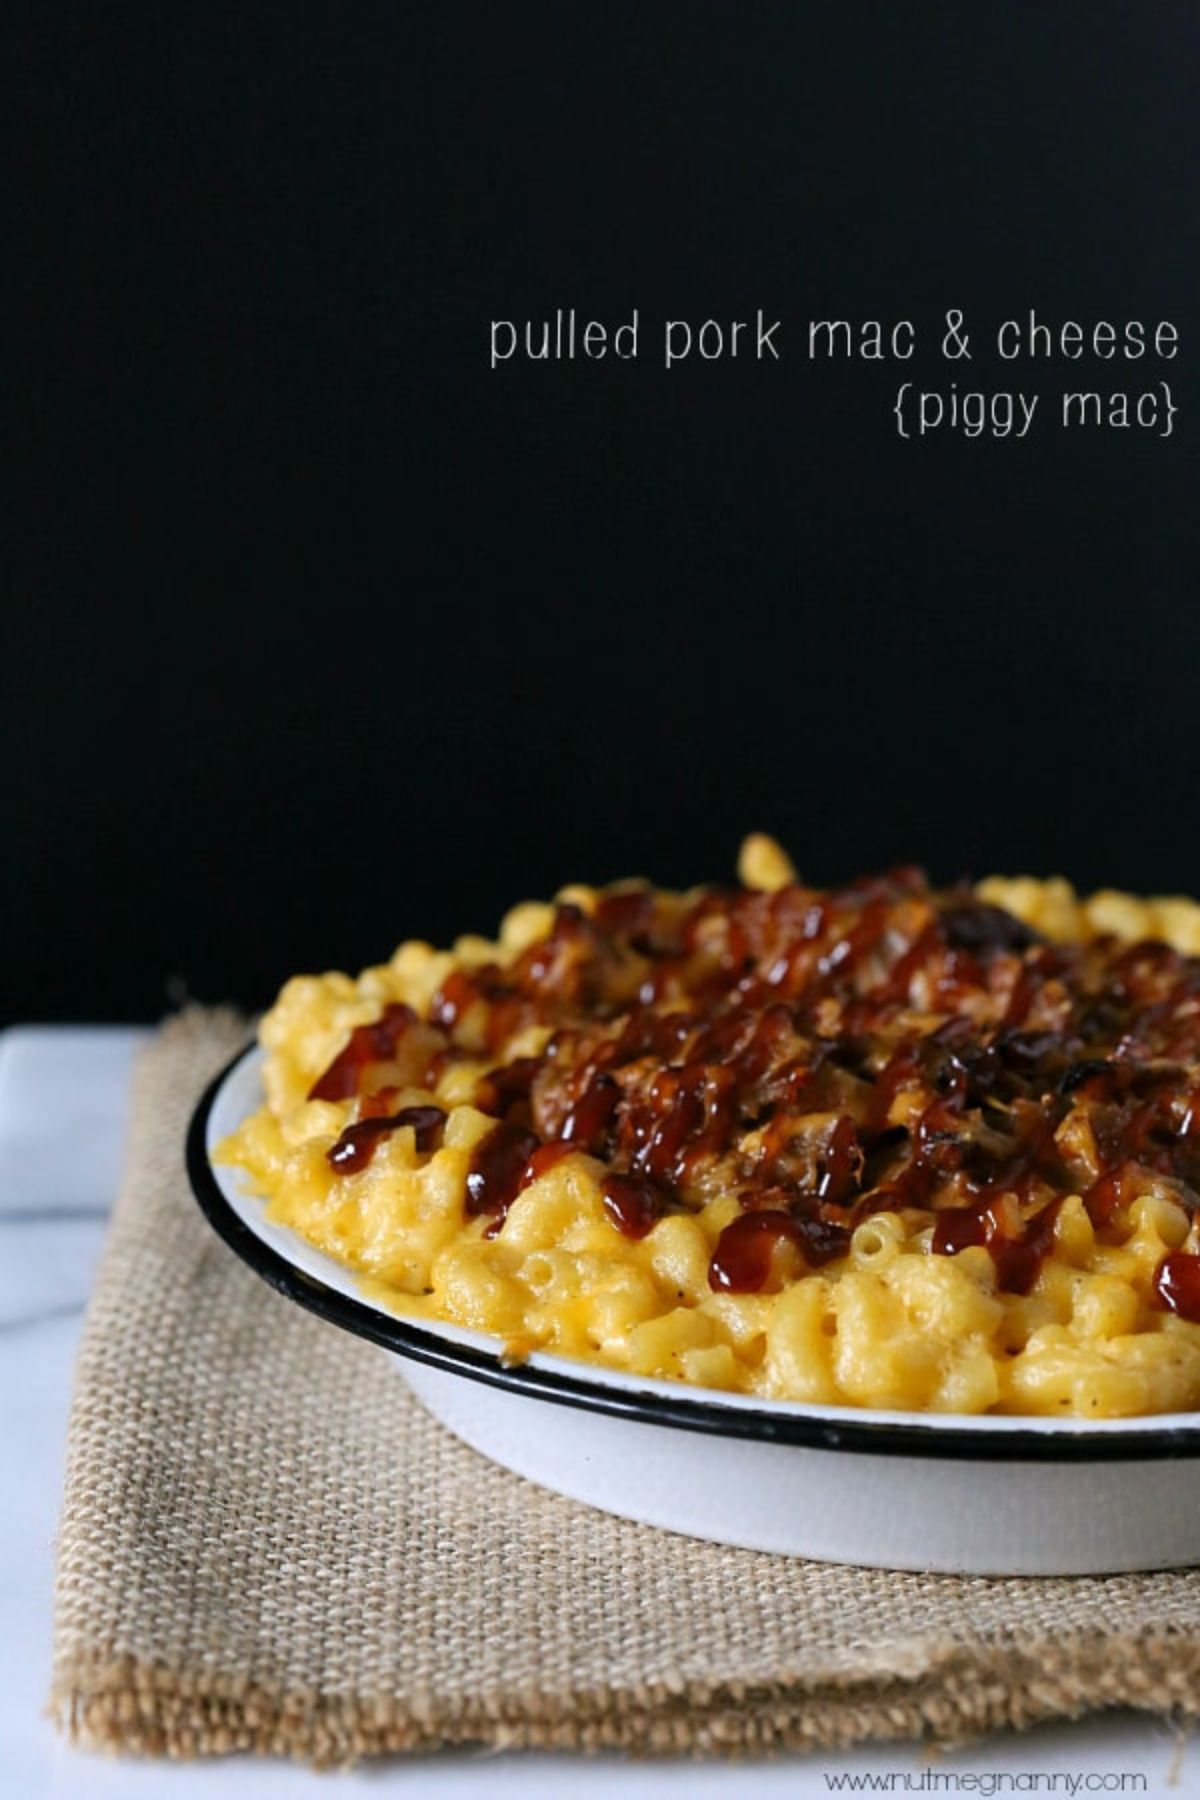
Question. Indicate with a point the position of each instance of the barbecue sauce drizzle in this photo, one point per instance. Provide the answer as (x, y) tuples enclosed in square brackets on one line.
[(825, 1055), (354, 1149)]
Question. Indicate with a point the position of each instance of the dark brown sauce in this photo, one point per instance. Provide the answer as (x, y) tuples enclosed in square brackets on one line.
[(826, 1055), (587, 1124), (542, 1160), (1177, 1285), (496, 1171), (507, 1087), (358, 1143), (745, 1251), (373, 1043), (840, 1164), (1018, 1258), (456, 994), (633, 1204)]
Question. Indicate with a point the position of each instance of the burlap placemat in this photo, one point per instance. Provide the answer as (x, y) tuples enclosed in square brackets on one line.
[(267, 1545)]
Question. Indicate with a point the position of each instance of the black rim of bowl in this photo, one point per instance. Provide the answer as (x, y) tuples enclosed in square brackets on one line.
[(687, 1413)]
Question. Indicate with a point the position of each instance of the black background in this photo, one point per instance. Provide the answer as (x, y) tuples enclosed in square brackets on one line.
[(321, 634)]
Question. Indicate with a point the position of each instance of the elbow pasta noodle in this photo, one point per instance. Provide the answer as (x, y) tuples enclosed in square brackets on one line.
[(379, 1134)]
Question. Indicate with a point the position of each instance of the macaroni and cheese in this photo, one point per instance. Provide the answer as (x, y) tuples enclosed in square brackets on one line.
[(880, 1145)]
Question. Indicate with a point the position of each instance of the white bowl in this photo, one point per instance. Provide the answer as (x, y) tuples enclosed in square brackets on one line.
[(895, 1490)]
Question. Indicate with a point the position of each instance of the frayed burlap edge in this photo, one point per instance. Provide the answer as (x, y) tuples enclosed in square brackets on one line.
[(938, 1692), (123, 1707)]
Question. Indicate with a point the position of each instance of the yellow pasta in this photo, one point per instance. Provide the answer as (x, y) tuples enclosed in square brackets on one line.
[(383, 1092)]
